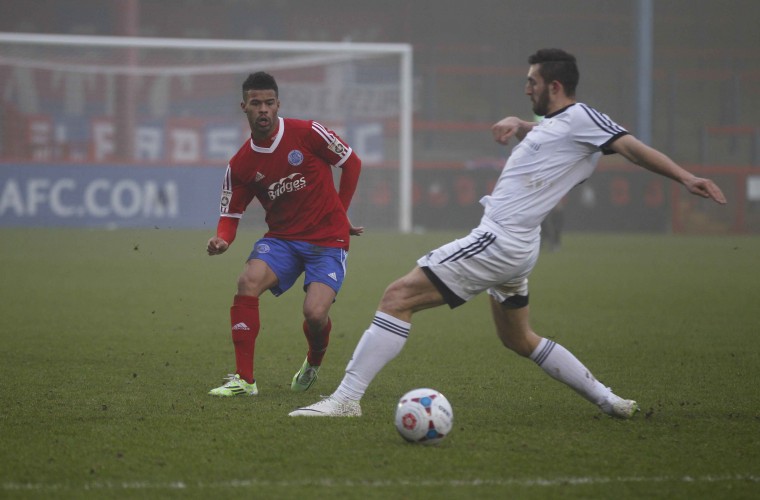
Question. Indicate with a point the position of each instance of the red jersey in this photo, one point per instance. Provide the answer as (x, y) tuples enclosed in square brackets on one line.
[(292, 179)]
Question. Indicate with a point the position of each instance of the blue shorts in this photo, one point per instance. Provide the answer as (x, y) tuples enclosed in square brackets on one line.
[(288, 259)]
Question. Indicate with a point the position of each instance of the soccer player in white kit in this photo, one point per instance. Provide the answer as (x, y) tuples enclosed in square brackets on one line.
[(552, 157)]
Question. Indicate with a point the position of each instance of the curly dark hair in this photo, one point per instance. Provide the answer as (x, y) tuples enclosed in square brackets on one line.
[(260, 81), (556, 64)]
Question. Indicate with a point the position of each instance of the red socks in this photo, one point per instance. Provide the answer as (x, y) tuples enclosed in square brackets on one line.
[(317, 343), (245, 324), (244, 319)]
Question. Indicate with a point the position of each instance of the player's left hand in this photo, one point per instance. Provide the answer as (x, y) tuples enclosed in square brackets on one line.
[(706, 189), (355, 230)]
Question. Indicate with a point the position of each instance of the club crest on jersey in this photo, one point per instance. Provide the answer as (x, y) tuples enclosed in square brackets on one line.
[(337, 147), (295, 157)]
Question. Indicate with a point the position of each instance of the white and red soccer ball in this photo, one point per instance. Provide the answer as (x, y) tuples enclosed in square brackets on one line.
[(424, 416)]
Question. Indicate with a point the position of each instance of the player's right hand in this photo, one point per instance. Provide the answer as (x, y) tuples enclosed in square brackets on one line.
[(511, 126), (504, 129), (216, 246)]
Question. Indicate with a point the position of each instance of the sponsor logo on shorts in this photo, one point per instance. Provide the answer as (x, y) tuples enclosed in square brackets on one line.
[(295, 157), (293, 182), (262, 248)]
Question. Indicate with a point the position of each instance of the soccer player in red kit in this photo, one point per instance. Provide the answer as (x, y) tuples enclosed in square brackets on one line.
[(286, 165)]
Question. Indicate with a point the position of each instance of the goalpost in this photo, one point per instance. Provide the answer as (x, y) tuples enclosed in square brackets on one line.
[(105, 100)]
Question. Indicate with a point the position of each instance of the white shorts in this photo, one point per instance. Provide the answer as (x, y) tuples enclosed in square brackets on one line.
[(486, 259)]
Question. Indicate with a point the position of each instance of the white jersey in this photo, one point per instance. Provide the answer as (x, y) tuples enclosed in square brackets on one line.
[(559, 153)]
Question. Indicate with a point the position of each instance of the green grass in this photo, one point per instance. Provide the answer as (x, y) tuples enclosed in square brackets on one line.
[(110, 341)]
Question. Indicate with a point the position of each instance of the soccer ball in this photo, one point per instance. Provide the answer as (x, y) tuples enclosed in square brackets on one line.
[(424, 416)]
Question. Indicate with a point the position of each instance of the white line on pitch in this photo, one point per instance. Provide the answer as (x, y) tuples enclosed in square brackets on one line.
[(381, 483)]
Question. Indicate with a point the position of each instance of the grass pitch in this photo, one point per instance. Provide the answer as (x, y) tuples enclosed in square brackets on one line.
[(110, 341)]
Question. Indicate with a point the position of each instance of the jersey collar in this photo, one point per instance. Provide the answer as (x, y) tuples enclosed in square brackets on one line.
[(275, 143), (562, 110)]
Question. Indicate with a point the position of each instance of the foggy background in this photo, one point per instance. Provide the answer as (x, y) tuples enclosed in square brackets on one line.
[(469, 71)]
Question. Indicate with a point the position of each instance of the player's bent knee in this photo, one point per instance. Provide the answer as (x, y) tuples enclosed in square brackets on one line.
[(388, 303), (316, 315), (244, 285), (248, 286), (393, 298)]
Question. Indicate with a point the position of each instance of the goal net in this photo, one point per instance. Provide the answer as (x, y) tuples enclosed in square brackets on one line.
[(170, 107)]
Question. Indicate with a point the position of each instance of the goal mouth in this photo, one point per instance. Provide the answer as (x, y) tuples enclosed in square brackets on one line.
[(138, 101)]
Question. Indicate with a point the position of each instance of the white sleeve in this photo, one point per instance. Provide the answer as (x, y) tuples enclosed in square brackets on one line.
[(596, 128)]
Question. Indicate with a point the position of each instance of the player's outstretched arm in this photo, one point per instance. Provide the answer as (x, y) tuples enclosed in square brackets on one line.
[(509, 127), (653, 160)]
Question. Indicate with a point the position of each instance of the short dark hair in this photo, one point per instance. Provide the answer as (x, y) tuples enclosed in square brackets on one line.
[(556, 64), (260, 81)]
